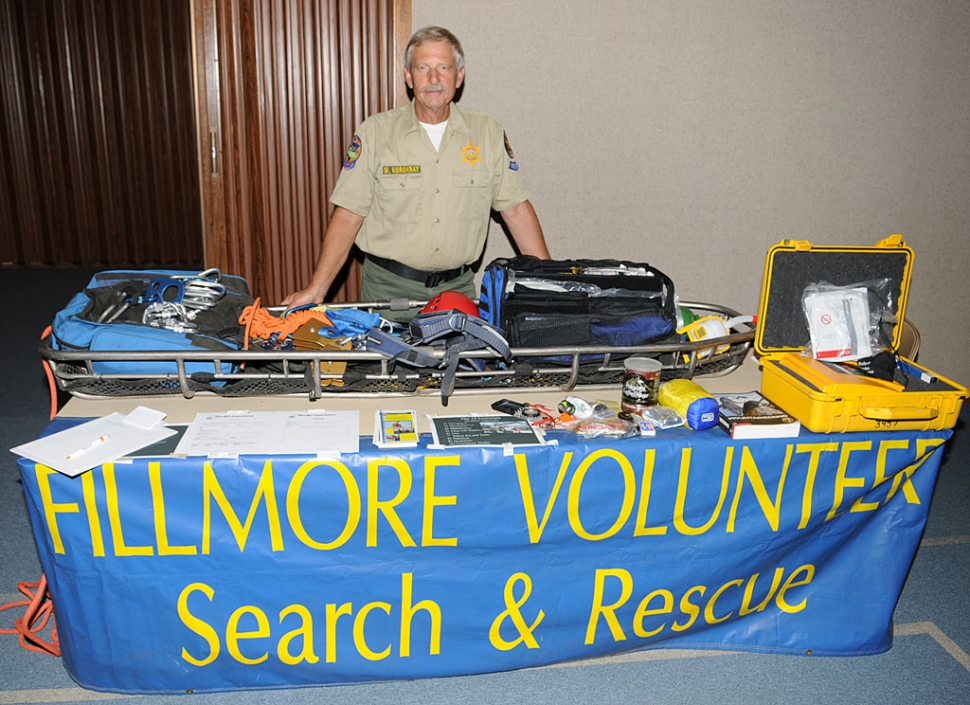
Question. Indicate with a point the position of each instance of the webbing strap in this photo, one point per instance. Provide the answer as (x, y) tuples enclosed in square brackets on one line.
[(473, 333), (397, 350), (427, 327), (453, 349)]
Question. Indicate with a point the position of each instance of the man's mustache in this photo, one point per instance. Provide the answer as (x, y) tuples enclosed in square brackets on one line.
[(435, 87)]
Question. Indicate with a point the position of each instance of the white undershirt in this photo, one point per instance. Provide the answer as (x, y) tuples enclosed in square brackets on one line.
[(435, 132)]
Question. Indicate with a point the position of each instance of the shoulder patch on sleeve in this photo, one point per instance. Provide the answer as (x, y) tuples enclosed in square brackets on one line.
[(353, 152), (513, 165)]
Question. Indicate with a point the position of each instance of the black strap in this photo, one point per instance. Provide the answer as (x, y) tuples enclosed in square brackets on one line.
[(430, 279)]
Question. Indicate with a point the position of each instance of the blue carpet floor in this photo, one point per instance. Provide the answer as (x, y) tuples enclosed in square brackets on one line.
[(928, 662)]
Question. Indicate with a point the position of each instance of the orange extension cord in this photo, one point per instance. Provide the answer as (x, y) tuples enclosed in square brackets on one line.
[(40, 608), (39, 611)]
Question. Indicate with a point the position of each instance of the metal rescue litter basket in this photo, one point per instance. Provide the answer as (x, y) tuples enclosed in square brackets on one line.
[(243, 373)]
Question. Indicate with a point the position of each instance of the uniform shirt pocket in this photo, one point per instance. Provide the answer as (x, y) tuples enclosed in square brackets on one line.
[(401, 197), (473, 195)]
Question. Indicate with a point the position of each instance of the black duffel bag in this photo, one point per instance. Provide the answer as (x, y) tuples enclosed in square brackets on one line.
[(555, 303)]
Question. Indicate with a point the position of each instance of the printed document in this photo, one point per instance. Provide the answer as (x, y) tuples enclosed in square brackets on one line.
[(272, 433)]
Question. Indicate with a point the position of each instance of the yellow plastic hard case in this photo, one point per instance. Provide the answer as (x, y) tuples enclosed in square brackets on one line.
[(829, 398)]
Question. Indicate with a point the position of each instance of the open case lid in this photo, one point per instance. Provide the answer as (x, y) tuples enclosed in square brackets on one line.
[(792, 265)]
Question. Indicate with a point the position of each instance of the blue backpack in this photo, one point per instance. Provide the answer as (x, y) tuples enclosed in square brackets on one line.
[(108, 317)]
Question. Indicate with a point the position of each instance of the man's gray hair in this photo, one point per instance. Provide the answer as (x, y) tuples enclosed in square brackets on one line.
[(435, 34)]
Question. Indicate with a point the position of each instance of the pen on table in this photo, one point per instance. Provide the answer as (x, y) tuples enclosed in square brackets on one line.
[(90, 446)]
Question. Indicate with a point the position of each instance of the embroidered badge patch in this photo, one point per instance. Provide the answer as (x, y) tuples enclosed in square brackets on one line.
[(353, 153), (406, 169), (513, 165), (472, 155)]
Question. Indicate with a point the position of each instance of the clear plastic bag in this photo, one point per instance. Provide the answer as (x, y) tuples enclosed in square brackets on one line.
[(848, 322), (662, 417)]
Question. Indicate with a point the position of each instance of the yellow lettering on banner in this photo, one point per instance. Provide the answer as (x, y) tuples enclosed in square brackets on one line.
[(359, 641), (408, 612), (114, 517), (528, 502), (644, 611), (749, 469), (881, 471), (815, 450), (94, 520), (689, 608), (641, 529), (791, 582), (746, 607), (680, 509), (842, 481), (353, 504), (265, 491), (924, 449), (709, 615), (198, 626), (304, 632), (692, 604), (608, 611), (333, 614), (514, 614), (158, 509), (431, 500), (234, 635), (884, 447), (287, 646), (52, 508), (386, 507), (629, 494)]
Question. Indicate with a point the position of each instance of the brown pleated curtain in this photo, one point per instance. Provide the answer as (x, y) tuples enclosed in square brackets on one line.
[(98, 155), (282, 84), (186, 132)]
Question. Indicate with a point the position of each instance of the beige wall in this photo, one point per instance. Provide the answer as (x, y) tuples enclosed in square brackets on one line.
[(695, 134)]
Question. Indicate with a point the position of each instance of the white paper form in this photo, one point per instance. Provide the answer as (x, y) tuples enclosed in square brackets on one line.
[(87, 445), (272, 433)]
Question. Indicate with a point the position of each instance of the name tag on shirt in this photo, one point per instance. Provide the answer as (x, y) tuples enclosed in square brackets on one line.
[(407, 169)]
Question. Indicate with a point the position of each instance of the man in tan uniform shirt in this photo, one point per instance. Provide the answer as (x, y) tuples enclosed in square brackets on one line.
[(420, 211)]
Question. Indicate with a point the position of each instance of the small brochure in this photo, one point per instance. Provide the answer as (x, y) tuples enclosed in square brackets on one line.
[(87, 445), (483, 430), (395, 429)]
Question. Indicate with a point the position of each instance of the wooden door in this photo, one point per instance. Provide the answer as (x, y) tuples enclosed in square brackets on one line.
[(281, 86)]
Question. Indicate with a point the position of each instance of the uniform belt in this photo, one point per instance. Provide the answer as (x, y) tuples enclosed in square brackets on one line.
[(430, 279)]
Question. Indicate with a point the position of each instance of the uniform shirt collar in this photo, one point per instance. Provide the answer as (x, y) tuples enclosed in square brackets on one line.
[(456, 121)]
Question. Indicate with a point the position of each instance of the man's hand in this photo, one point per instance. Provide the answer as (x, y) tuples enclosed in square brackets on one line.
[(303, 297), (339, 238)]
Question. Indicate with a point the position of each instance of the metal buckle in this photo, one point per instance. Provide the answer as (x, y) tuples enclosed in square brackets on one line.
[(457, 322), (435, 278)]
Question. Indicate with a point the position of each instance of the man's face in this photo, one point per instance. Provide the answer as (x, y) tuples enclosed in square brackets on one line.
[(434, 78)]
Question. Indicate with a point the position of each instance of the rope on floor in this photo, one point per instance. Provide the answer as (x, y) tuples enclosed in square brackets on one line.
[(40, 611), (40, 607)]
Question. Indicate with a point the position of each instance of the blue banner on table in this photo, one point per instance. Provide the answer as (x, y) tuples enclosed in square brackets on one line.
[(200, 574)]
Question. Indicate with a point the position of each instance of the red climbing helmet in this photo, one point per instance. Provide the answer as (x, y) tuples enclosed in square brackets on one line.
[(451, 301)]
